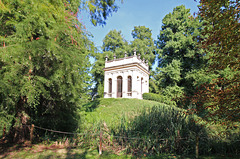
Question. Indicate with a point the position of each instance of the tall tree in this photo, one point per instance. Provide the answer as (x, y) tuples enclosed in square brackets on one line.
[(43, 62), (98, 73), (222, 27), (143, 43), (113, 44), (179, 52)]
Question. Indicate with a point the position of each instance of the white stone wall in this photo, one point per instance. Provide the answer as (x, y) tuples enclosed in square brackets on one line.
[(129, 66), (126, 60)]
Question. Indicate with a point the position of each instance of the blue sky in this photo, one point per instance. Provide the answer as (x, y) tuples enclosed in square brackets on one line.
[(148, 13)]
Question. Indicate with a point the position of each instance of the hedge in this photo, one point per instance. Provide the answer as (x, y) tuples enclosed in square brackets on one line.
[(158, 98)]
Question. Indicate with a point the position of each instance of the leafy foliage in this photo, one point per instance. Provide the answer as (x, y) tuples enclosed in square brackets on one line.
[(113, 44), (143, 43), (114, 41), (221, 96), (100, 9), (180, 59), (162, 129), (158, 98), (44, 60)]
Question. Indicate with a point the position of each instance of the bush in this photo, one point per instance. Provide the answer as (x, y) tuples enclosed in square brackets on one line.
[(158, 98), (162, 129)]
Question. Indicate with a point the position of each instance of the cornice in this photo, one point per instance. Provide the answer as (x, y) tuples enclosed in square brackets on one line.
[(126, 66)]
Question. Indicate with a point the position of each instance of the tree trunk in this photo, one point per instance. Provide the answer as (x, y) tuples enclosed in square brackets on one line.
[(20, 128)]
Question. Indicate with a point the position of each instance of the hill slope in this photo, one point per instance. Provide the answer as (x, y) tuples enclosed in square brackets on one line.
[(112, 110)]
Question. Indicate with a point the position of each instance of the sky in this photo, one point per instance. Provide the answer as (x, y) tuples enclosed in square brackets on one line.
[(148, 13)]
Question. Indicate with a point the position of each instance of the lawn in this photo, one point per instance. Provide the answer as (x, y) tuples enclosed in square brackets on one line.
[(48, 152), (112, 110)]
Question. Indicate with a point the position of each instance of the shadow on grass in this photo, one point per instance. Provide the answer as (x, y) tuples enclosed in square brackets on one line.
[(87, 154), (89, 107), (6, 148), (71, 154)]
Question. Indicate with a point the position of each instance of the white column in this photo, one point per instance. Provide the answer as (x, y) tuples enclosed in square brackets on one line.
[(144, 85), (139, 86), (147, 87), (105, 94), (114, 86), (124, 84), (134, 84)]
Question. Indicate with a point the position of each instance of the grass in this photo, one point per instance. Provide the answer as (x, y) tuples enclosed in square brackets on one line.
[(76, 153), (112, 110), (65, 153)]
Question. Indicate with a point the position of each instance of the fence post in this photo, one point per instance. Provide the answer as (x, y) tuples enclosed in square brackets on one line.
[(197, 146), (31, 132), (100, 144), (4, 131)]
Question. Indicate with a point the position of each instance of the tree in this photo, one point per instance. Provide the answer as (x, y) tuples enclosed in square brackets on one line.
[(97, 73), (44, 63), (169, 79), (113, 44), (221, 95), (179, 53), (143, 43), (100, 9)]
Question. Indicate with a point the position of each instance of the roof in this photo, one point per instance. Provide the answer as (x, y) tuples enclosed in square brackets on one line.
[(126, 62)]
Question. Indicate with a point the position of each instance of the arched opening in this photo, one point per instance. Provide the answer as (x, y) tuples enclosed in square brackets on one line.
[(129, 93), (119, 86), (110, 87), (141, 86)]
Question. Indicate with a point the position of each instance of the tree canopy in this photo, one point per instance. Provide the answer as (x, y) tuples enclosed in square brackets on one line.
[(115, 43), (180, 59), (222, 27), (44, 61), (100, 9), (144, 43)]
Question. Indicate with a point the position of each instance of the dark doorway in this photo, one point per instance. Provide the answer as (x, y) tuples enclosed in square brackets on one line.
[(110, 87), (129, 86), (119, 86)]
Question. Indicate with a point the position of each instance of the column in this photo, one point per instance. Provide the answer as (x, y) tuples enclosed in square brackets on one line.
[(105, 94), (147, 85), (134, 84), (114, 86)]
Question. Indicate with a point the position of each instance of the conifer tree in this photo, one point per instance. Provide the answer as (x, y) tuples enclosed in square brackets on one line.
[(179, 53), (113, 44), (43, 63), (143, 43), (221, 96)]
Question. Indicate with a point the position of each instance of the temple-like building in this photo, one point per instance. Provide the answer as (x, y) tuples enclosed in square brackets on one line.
[(126, 77)]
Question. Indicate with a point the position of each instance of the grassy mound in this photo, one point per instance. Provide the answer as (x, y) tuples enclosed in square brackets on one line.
[(149, 127), (112, 111)]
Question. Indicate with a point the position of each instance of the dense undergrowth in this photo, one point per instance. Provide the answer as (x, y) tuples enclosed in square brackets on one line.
[(143, 127)]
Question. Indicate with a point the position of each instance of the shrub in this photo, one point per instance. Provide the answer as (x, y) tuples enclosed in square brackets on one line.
[(158, 98), (162, 129)]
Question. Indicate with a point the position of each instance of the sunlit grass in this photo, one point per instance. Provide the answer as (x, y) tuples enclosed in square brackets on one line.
[(76, 153), (112, 110)]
